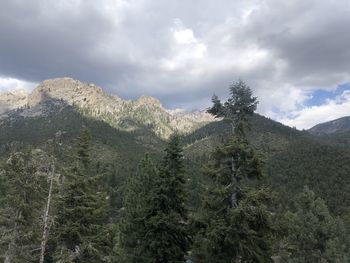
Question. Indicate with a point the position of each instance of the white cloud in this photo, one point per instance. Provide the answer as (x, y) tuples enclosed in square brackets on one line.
[(310, 116), (180, 51), (185, 50), (281, 101), (8, 84), (185, 36)]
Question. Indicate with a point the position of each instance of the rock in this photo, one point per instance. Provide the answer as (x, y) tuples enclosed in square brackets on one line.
[(67, 89), (147, 100), (145, 112)]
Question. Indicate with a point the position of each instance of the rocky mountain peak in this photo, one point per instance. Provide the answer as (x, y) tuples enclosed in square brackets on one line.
[(70, 90), (90, 100), (149, 101), (194, 115)]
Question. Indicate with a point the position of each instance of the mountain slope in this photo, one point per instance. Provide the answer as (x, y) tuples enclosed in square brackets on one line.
[(336, 126), (55, 123), (293, 159), (122, 114), (123, 131)]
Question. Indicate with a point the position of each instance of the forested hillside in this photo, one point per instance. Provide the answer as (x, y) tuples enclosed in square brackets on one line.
[(293, 158), (245, 188)]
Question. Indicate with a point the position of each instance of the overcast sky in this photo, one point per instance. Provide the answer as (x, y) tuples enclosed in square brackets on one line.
[(294, 54)]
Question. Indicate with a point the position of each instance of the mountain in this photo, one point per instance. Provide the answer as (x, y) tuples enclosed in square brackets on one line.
[(293, 159), (124, 130), (53, 126), (331, 127), (129, 115)]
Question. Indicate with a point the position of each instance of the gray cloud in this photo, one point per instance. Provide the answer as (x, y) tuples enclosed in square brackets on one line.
[(180, 51), (310, 36)]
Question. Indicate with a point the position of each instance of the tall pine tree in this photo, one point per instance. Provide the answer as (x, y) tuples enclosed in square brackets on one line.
[(234, 224), (138, 194), (155, 228), (82, 215), (167, 224)]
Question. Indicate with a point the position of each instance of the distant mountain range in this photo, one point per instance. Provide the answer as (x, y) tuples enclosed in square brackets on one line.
[(145, 112), (51, 117)]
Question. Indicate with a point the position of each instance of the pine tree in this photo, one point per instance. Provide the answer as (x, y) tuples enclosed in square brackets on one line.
[(82, 214), (139, 190), (167, 224), (239, 229), (237, 109), (311, 233), (155, 227), (21, 208), (234, 224)]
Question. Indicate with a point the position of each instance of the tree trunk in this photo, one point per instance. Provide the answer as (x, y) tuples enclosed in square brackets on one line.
[(46, 217)]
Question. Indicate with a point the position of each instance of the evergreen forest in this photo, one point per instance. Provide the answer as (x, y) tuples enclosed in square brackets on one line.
[(244, 188)]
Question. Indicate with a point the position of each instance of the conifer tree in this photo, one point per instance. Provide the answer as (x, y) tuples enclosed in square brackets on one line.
[(139, 190), (21, 209), (237, 109), (82, 214), (167, 224), (311, 233), (155, 229), (235, 224)]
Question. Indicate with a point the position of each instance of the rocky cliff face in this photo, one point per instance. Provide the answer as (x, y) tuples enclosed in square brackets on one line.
[(145, 112), (73, 92)]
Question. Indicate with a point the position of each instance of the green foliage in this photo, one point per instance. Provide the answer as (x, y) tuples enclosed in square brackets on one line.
[(82, 212), (169, 236), (235, 222), (237, 108), (83, 149), (155, 222), (292, 159), (151, 225), (62, 124), (137, 200), (311, 233), (21, 208)]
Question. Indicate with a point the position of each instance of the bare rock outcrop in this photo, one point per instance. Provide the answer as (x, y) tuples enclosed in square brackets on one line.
[(90, 100)]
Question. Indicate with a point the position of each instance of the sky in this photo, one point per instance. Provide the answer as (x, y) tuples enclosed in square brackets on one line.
[(295, 55)]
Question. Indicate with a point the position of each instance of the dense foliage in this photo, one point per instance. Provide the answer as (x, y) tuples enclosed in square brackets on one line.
[(81, 229), (232, 191), (311, 233)]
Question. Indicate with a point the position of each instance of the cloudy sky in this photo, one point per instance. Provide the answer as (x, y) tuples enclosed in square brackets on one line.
[(294, 54)]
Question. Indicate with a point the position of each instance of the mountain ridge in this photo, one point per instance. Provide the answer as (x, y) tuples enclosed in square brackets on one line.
[(129, 115), (92, 101), (331, 127)]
